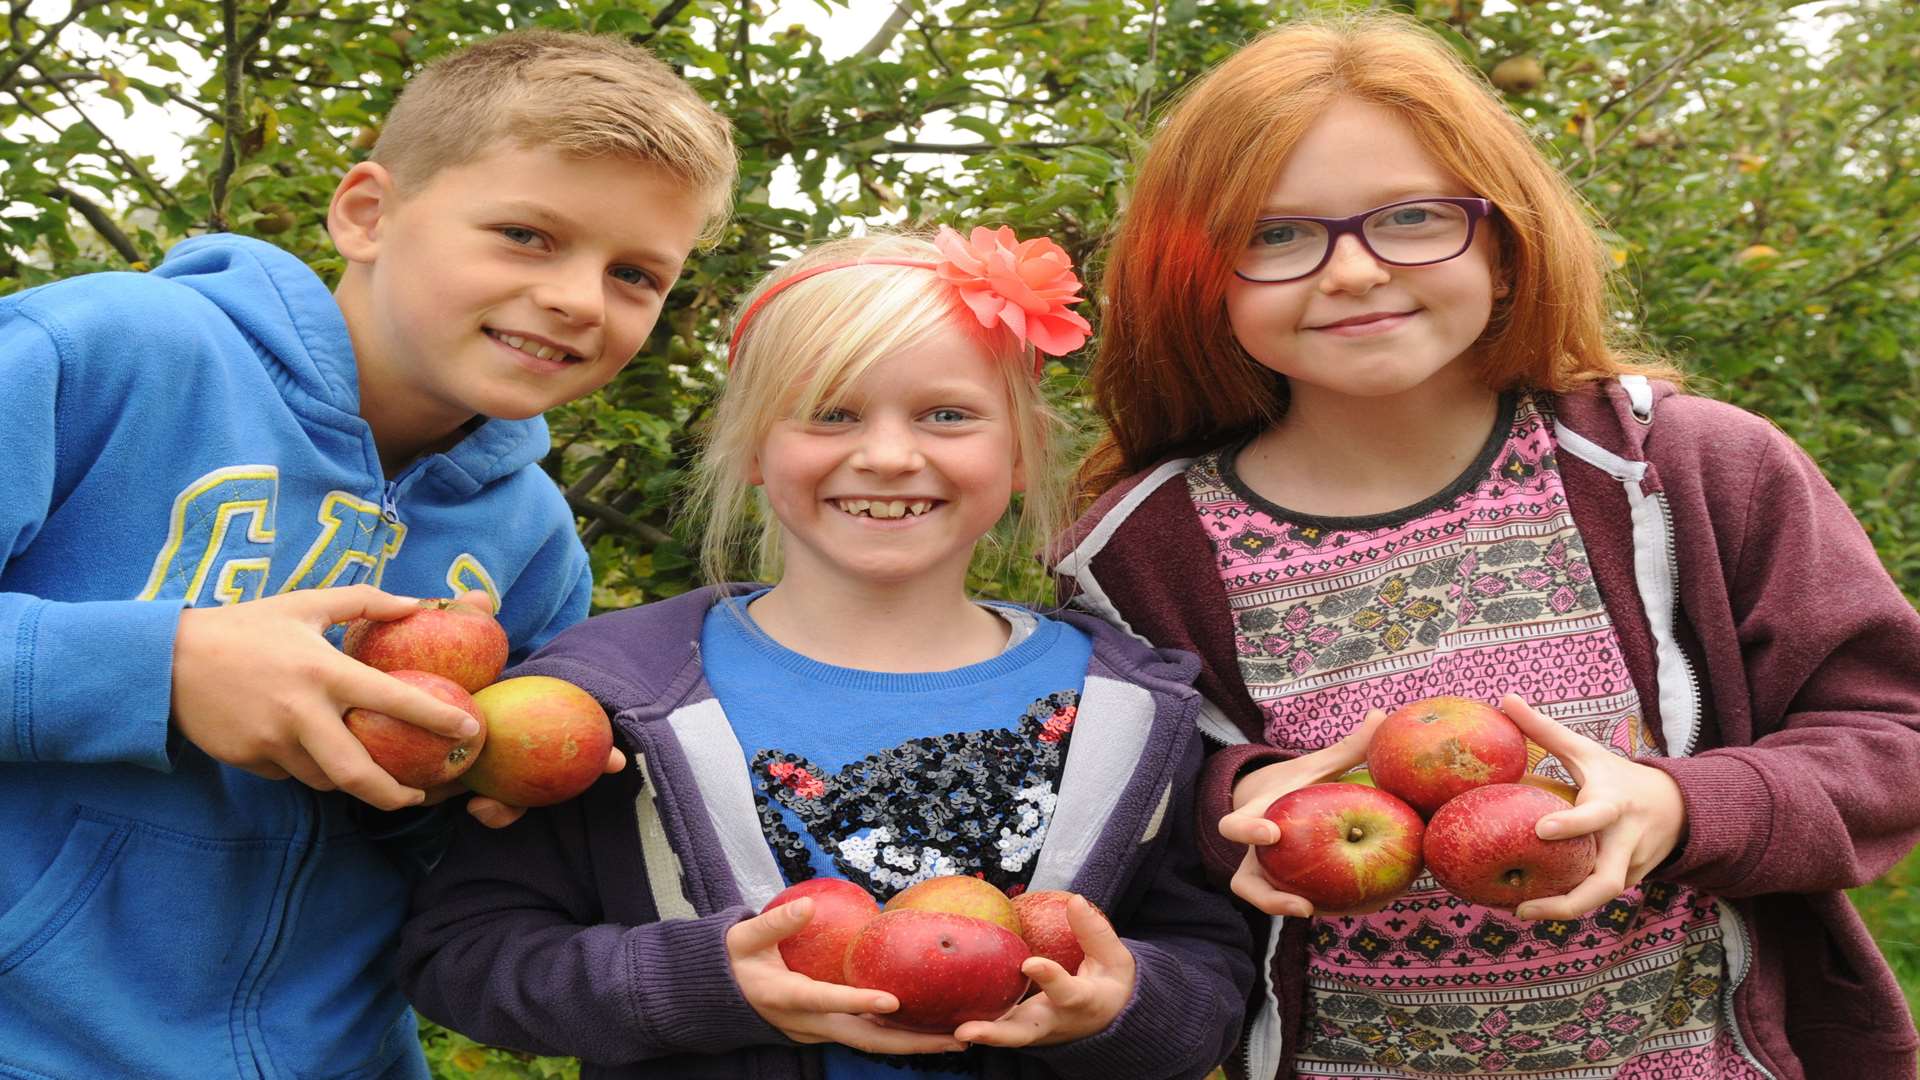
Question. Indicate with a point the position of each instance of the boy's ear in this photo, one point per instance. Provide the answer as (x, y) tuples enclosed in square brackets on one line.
[(362, 198)]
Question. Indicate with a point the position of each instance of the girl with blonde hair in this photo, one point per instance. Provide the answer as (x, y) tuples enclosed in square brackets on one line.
[(1370, 441), (858, 716)]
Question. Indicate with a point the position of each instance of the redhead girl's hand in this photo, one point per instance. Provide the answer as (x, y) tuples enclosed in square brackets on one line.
[(1257, 790), (1634, 811), (807, 1010), (1068, 1007)]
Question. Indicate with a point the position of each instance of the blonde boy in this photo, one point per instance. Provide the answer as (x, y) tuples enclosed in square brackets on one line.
[(198, 455)]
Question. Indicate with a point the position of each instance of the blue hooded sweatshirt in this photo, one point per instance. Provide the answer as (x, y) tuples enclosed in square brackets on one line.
[(192, 437)]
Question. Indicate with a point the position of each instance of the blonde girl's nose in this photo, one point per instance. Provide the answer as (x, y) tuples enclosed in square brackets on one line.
[(888, 447)]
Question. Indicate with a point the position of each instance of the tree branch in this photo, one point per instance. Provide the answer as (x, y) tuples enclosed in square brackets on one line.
[(153, 187), (79, 8), (615, 520), (889, 29), (101, 223)]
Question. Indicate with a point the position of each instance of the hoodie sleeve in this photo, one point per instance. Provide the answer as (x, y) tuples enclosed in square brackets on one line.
[(85, 682), (1193, 964), (509, 944), (1822, 799)]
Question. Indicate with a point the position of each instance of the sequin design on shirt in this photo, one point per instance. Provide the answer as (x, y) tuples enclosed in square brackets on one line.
[(974, 802), (1479, 592)]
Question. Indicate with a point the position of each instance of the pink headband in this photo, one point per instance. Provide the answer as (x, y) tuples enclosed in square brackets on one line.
[(1022, 285)]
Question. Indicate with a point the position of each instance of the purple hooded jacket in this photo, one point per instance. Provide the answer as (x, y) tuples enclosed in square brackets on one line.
[(597, 928), (1770, 650)]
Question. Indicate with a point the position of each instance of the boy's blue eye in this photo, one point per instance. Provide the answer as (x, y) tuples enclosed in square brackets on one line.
[(632, 275), (518, 234)]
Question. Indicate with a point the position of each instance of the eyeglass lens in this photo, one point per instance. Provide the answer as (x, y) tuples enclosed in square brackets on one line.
[(1409, 233)]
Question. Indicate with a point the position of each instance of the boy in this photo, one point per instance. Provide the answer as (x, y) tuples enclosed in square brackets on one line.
[(194, 455)]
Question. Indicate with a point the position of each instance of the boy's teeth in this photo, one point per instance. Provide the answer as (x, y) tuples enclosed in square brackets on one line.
[(544, 351)]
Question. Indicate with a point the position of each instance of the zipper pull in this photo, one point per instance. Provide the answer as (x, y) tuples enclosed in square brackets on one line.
[(389, 507)]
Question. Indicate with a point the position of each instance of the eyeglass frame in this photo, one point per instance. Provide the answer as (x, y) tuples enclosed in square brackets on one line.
[(1477, 210)]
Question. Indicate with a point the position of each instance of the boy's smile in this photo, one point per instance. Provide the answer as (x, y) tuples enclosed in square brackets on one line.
[(504, 286)]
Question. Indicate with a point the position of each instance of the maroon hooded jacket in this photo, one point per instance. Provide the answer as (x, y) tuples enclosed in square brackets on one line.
[(1770, 650)]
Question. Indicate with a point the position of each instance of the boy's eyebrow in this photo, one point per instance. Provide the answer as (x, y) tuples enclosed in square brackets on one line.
[(546, 216)]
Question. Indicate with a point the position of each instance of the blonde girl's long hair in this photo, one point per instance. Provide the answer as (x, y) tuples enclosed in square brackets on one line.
[(1169, 377)]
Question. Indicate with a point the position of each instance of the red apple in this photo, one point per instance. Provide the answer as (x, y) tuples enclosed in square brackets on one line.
[(411, 754), (958, 894), (547, 741), (1434, 749), (1044, 927), (945, 969), (1342, 846), (457, 640), (1481, 847), (818, 950)]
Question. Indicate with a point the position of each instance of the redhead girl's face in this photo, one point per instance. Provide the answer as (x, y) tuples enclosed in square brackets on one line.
[(896, 483), (1359, 327)]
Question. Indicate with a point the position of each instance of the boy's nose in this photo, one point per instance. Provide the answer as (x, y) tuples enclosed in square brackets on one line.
[(1351, 268), (574, 294)]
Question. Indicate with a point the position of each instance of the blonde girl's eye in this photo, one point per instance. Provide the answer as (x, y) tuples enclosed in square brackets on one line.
[(949, 416), (832, 415)]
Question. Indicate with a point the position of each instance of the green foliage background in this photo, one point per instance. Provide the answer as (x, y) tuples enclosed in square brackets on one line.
[(1762, 201)]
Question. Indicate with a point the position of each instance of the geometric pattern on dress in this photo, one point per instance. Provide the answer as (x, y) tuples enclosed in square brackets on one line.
[(1489, 594)]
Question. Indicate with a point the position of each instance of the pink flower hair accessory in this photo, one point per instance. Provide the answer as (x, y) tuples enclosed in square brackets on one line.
[(1025, 286)]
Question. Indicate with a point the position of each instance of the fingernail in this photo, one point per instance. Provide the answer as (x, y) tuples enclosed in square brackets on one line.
[(469, 726), (1549, 831)]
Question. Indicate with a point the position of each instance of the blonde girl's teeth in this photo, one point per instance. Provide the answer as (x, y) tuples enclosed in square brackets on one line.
[(544, 351), (513, 341), (920, 508)]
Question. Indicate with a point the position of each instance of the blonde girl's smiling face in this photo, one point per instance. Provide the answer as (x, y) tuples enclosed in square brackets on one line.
[(1360, 327), (894, 480)]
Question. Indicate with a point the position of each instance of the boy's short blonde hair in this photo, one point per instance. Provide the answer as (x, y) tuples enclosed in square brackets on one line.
[(803, 350), (586, 95)]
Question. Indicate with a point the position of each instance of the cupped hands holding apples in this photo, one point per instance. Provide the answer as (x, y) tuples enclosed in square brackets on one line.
[(1493, 835)]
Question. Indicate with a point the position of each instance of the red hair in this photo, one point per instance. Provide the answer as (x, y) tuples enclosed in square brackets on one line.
[(1169, 375)]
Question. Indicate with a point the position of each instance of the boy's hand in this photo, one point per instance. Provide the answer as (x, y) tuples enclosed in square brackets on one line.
[(1634, 811), (1257, 790), (1068, 1007), (495, 814), (257, 686), (807, 1010)]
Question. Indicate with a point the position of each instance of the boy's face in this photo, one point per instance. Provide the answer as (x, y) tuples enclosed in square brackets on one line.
[(520, 280)]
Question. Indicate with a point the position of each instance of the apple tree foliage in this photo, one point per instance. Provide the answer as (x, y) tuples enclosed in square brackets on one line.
[(1754, 162)]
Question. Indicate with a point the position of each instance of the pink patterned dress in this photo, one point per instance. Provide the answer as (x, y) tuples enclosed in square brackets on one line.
[(1481, 590)]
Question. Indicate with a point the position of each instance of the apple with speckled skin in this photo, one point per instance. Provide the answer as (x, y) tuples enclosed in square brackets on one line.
[(1044, 926), (1433, 749), (411, 754), (455, 639), (1342, 846), (959, 894), (1482, 847), (547, 741), (818, 950), (944, 969)]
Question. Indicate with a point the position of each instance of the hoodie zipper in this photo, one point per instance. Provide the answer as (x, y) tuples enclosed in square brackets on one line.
[(390, 504), (1686, 662)]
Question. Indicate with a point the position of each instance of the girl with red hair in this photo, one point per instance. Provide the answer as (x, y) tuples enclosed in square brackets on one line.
[(1370, 440)]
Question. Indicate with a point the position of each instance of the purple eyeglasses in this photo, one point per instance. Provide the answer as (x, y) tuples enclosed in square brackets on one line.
[(1416, 232)]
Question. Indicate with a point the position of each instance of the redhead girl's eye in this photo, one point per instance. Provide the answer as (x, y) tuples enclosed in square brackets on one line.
[(1409, 215), (1278, 235)]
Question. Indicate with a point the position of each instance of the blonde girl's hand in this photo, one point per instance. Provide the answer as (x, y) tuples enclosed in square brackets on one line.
[(807, 1010), (1068, 1007), (1257, 790), (1635, 812)]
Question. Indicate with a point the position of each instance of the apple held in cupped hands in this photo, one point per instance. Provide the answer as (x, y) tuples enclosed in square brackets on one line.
[(547, 741), (959, 894), (1431, 750), (818, 950), (411, 754), (1482, 847), (455, 639), (944, 969), (1342, 846)]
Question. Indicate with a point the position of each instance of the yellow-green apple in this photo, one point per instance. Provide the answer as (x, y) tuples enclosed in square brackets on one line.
[(818, 950), (960, 895), (1482, 848), (1547, 783), (1342, 846), (1357, 776), (455, 639), (944, 969), (1043, 925), (1433, 749), (411, 754), (547, 741)]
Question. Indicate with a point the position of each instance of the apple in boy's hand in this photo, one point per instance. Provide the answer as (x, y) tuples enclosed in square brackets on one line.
[(1342, 846), (547, 741), (1433, 749), (1043, 925), (411, 754), (456, 639), (959, 894), (944, 969), (818, 950), (1482, 848)]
